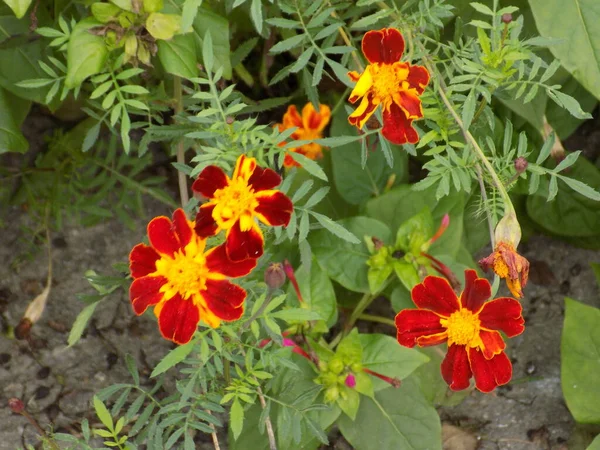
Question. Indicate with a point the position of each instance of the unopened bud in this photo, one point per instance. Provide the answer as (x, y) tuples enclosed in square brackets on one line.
[(230, 120), (350, 380), (289, 271), (16, 405), (23, 330), (507, 18), (521, 164), (275, 276), (508, 229), (377, 243)]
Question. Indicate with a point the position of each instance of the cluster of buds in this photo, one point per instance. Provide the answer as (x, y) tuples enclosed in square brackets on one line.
[(336, 375)]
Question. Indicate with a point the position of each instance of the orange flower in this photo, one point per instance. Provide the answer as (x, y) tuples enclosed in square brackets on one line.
[(391, 83), (184, 281), (234, 204), (310, 126), (468, 324)]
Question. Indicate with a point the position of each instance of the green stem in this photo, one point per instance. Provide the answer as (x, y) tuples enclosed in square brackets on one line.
[(378, 319), (178, 97)]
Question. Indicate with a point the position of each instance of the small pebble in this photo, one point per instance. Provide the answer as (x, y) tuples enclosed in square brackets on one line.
[(565, 287), (59, 242), (111, 359), (4, 358), (575, 270), (52, 412), (530, 368), (42, 392), (43, 373)]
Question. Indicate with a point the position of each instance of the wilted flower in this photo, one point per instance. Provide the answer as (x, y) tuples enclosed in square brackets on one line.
[(391, 83), (275, 276)]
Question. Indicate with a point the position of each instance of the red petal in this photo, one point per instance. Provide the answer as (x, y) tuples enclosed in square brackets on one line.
[(383, 46), (178, 320), (357, 120), (244, 167), (434, 339), (218, 262), (456, 370), (274, 208), (182, 227), (411, 104), (224, 299), (142, 260), (210, 179), (476, 292), (397, 128), (493, 343), (288, 161), (162, 237), (313, 120), (244, 244), (263, 179), (205, 224), (145, 292), (292, 118), (435, 294), (503, 314), (418, 78), (490, 373), (413, 324)]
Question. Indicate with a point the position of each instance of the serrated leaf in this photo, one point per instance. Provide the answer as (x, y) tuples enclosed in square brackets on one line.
[(335, 228), (172, 358)]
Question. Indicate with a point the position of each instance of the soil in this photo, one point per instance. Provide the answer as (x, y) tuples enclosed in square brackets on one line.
[(56, 382)]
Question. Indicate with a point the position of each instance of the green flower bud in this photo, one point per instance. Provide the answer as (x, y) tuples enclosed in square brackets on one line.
[(332, 394), (336, 365)]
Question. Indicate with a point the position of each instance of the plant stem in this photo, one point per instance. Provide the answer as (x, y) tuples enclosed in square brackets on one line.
[(178, 97), (487, 210), (214, 436), (379, 319), (253, 317)]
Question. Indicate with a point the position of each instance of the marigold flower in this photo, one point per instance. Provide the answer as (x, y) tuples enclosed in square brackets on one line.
[(309, 126), (391, 83), (184, 281), (469, 326), (235, 202)]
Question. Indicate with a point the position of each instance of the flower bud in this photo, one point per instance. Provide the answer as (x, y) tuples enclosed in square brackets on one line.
[(275, 276), (507, 18), (508, 229), (336, 365), (332, 394), (350, 380), (521, 164), (16, 405)]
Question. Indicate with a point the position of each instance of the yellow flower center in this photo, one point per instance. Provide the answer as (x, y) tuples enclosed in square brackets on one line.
[(186, 272), (463, 328), (233, 201), (500, 267), (388, 79)]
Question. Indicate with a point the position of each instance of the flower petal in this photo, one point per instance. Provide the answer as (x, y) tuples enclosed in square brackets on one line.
[(142, 260), (244, 167), (178, 319), (162, 237), (418, 78), (218, 262), (274, 208), (383, 46), (183, 227), (354, 76), (435, 294), (410, 103), (313, 120), (205, 223), (365, 110), (493, 343), (414, 324), (292, 118), (477, 291), (288, 161), (456, 370), (503, 314), (244, 244), (212, 178), (263, 179), (224, 299), (489, 373), (397, 128), (145, 292), (363, 85)]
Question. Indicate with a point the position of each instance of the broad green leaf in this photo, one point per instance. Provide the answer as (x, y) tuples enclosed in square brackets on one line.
[(103, 413), (407, 274), (344, 262), (172, 358), (178, 55), (80, 323), (580, 361), (415, 232), (575, 23), (317, 292), (236, 418), (595, 445), (296, 314), (353, 182), (19, 7), (350, 348), (383, 354), (86, 53), (11, 138), (163, 26), (395, 419), (349, 402)]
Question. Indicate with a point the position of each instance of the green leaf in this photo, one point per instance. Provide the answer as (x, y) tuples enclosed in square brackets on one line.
[(86, 53), (19, 7), (383, 355), (178, 55), (175, 356), (395, 419), (415, 232), (103, 413), (236, 418), (218, 26), (407, 274), (80, 323), (288, 44), (163, 26), (595, 445), (296, 314), (349, 402), (574, 22), (309, 165), (335, 228), (256, 14), (343, 261), (189, 13), (580, 363), (11, 137)]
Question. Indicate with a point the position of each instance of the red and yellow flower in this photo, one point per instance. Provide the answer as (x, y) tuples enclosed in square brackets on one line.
[(235, 203), (391, 83), (468, 324), (183, 280), (309, 126)]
